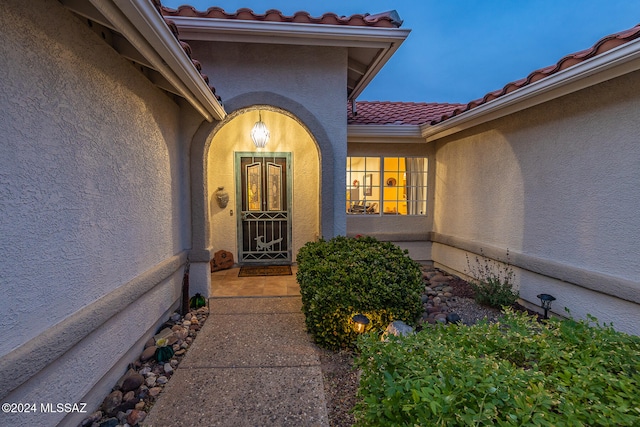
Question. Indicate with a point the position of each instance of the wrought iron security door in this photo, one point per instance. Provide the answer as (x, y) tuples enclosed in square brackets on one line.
[(264, 204)]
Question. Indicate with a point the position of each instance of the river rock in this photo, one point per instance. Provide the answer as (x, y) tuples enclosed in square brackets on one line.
[(148, 353), (111, 403), (132, 382), (398, 328), (135, 417)]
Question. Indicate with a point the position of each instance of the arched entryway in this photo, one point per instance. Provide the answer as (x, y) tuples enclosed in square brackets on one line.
[(274, 192)]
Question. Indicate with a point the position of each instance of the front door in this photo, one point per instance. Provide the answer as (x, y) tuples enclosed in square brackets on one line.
[(264, 203)]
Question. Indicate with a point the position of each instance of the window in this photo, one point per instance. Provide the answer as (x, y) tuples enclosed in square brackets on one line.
[(387, 185)]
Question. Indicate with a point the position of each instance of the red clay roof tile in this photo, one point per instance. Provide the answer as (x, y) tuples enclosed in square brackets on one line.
[(397, 113), (386, 19), (603, 45), (185, 46)]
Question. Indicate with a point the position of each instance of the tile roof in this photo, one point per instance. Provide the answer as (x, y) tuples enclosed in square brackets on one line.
[(603, 45), (185, 46), (386, 19), (397, 113)]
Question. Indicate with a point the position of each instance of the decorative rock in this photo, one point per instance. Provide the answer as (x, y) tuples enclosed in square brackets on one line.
[(148, 353), (186, 323), (222, 260), (145, 371), (175, 317), (132, 382), (110, 422), (140, 406), (180, 352), (441, 317), (92, 419), (129, 396), (398, 328), (151, 381), (168, 368), (162, 380), (136, 417), (155, 391), (453, 318), (436, 300), (150, 342), (111, 403)]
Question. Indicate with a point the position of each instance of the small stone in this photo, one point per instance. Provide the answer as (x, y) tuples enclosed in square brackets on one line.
[(92, 419), (175, 317), (110, 422), (424, 298), (188, 316), (149, 343), (437, 300), (168, 368), (194, 321), (194, 327), (145, 371), (453, 318), (447, 289), (186, 323), (135, 417), (129, 396), (148, 353), (155, 391), (140, 406), (398, 328), (162, 380), (434, 309), (447, 295), (441, 317), (111, 403), (151, 381), (173, 362), (180, 352), (132, 382)]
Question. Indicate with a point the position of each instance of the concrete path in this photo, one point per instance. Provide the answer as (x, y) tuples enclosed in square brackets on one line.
[(252, 364)]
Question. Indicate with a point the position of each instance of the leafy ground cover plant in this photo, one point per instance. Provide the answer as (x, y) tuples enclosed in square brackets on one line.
[(517, 372), (342, 277), (493, 283)]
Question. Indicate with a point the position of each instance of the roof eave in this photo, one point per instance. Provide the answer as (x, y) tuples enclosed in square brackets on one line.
[(387, 40), (387, 134), (606, 66), (145, 29)]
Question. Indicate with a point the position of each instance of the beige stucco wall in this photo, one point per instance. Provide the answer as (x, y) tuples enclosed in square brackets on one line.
[(557, 185), (287, 135), (94, 219)]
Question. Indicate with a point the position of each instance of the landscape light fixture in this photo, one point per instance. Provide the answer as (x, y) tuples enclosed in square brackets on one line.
[(260, 133), (545, 302), (361, 321)]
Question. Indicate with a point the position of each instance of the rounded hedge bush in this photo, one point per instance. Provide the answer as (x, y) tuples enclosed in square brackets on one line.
[(342, 277)]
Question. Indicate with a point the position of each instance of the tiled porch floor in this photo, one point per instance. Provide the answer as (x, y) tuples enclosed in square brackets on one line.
[(226, 283)]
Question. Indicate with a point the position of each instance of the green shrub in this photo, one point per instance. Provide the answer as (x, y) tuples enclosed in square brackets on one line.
[(514, 373), (342, 277), (492, 283)]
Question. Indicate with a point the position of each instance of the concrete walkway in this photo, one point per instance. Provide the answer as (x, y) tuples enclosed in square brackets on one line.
[(252, 364)]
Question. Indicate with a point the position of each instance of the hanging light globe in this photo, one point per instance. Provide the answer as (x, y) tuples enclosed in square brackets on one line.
[(260, 133)]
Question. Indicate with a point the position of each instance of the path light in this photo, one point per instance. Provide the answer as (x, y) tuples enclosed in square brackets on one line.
[(545, 301), (260, 133), (361, 321)]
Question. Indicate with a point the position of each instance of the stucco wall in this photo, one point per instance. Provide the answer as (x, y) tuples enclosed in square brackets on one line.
[(307, 81), (92, 183), (287, 135), (556, 185)]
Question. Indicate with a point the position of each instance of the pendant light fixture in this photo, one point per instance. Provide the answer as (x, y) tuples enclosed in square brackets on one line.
[(260, 133)]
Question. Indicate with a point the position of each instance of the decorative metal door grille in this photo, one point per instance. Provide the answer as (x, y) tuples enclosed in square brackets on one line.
[(264, 228)]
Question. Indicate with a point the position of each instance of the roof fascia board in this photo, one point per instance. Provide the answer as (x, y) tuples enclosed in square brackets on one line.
[(140, 23), (383, 133), (236, 30), (606, 66)]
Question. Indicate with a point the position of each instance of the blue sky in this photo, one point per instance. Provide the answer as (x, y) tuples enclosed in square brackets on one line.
[(459, 50)]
